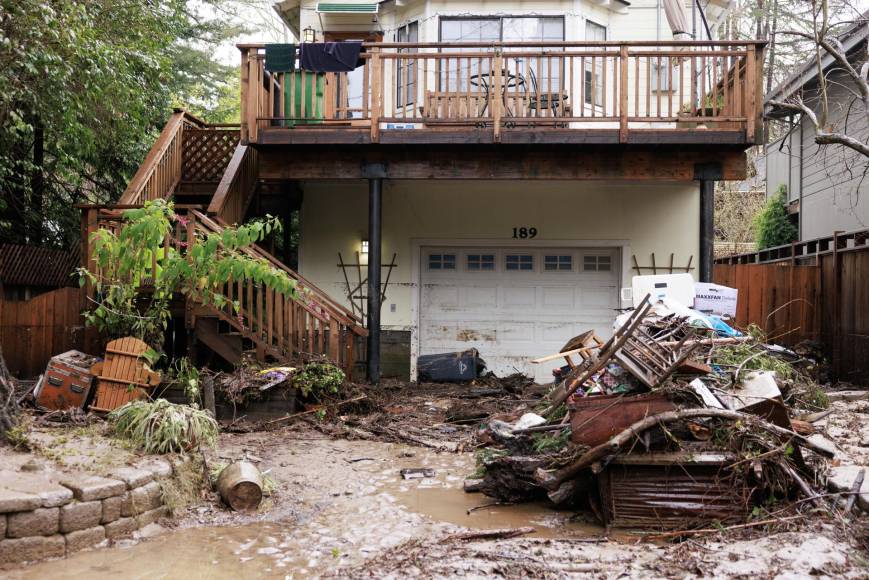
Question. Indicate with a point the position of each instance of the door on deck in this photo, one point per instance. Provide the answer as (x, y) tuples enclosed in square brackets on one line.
[(349, 95), (514, 304)]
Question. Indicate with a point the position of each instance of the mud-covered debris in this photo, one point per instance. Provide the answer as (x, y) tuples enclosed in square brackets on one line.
[(417, 473)]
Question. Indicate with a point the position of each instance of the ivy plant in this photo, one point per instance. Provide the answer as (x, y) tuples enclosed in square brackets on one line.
[(135, 275)]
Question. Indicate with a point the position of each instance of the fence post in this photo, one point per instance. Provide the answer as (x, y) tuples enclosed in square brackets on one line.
[(836, 337), (376, 93), (497, 95), (254, 86), (245, 88), (623, 93)]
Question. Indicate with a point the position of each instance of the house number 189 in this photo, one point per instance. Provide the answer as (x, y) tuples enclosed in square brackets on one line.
[(524, 233)]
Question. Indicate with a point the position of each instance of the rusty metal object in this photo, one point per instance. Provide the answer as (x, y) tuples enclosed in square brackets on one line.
[(240, 486), (67, 381), (679, 493), (593, 420)]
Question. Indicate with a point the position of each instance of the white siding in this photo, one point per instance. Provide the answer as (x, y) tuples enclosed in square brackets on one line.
[(650, 217)]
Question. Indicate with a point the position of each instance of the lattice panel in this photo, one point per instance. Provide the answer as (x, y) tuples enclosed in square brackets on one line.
[(207, 153)]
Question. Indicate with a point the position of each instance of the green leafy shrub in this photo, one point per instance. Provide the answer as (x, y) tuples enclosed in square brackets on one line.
[(163, 427), (198, 268), (317, 378), (772, 225), (187, 376)]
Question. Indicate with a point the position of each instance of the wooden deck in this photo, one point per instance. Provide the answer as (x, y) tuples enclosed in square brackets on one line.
[(680, 93)]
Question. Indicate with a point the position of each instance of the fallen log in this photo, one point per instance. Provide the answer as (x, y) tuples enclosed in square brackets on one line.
[(502, 534), (564, 493), (552, 479), (709, 341)]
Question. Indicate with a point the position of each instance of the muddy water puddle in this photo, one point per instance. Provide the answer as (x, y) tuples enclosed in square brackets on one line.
[(352, 503)]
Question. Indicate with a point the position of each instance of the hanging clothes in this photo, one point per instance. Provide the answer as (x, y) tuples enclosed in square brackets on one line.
[(330, 56), (280, 57)]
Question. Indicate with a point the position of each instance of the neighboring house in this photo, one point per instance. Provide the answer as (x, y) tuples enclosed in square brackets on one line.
[(520, 159), (826, 185)]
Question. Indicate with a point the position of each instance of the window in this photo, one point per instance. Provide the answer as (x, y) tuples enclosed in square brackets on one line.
[(596, 263), (477, 262), (458, 74), (406, 68), (543, 74), (664, 76), (522, 262), (558, 263), (593, 73), (441, 261)]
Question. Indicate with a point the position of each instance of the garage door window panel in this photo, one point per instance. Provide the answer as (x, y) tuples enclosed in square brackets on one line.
[(557, 263), (441, 261), (481, 262), (519, 263), (597, 263)]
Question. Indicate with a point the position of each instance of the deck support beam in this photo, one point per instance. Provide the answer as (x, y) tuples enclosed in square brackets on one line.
[(375, 213), (707, 174)]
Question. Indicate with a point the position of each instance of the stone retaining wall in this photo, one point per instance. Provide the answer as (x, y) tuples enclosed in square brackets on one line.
[(49, 515)]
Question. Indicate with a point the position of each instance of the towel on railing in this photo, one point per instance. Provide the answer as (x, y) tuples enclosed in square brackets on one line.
[(280, 57), (330, 56)]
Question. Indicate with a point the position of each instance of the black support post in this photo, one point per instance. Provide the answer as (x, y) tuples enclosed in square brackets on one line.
[(375, 198), (707, 229), (707, 174)]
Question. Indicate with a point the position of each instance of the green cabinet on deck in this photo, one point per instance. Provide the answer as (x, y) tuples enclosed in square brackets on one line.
[(304, 97)]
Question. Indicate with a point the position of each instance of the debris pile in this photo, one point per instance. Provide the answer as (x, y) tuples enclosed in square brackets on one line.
[(677, 421)]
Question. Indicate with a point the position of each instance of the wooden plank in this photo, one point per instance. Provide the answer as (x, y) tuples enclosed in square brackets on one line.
[(531, 162)]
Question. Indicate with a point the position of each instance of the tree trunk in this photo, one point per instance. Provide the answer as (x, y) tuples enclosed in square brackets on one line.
[(8, 405), (37, 183)]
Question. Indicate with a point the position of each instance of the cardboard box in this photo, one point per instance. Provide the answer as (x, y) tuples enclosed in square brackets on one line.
[(715, 299)]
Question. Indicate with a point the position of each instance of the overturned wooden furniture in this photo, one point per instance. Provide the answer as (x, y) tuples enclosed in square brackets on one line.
[(650, 361), (123, 376), (585, 345)]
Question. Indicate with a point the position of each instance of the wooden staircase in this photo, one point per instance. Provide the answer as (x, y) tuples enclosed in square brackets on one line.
[(199, 165)]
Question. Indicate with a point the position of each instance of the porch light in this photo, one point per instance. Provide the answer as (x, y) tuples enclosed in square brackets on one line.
[(365, 247), (309, 35)]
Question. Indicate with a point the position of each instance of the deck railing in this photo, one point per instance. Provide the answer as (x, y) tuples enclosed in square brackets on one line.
[(623, 86)]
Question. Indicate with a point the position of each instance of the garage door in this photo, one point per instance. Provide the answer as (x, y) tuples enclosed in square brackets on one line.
[(514, 305)]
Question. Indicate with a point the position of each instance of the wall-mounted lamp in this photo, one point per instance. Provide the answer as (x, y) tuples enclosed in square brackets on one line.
[(309, 35), (365, 247)]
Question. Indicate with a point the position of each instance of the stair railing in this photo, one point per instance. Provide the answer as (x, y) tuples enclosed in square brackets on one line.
[(160, 173), (310, 324), (236, 188)]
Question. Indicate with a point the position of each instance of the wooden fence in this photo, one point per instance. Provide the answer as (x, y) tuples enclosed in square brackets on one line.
[(32, 331), (823, 297)]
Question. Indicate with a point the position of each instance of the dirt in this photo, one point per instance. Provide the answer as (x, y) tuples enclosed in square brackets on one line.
[(342, 509)]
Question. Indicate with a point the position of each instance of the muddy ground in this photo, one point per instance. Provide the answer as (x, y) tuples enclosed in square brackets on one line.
[(342, 509)]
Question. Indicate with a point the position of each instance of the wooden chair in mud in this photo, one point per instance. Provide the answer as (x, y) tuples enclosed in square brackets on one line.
[(583, 345), (123, 376)]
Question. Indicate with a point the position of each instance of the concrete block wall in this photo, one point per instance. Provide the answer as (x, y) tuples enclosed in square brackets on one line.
[(51, 515)]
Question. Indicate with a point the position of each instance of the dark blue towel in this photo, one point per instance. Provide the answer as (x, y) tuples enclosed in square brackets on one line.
[(330, 56)]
